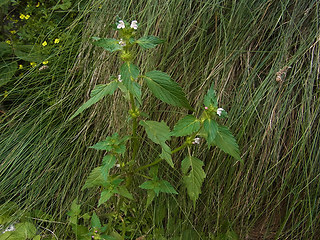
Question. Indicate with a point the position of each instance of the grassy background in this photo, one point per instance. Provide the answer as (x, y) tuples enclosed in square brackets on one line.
[(239, 47)]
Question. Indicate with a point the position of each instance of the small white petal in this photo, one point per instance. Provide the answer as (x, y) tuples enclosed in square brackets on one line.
[(117, 165), (122, 43), (121, 24), (119, 78), (219, 111), (134, 24), (196, 141)]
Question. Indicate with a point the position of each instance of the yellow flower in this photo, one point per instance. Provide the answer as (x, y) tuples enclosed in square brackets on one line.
[(9, 42), (20, 66), (13, 31), (57, 40), (45, 62), (38, 4), (27, 17), (33, 64), (5, 94), (44, 43), (22, 16)]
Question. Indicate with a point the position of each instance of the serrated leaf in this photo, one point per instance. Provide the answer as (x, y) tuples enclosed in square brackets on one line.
[(26, 230), (150, 196), (166, 187), (227, 143), (123, 191), (105, 196), (194, 176), (149, 41), (94, 179), (158, 132), (109, 44), (130, 72), (108, 162), (186, 126), (168, 91), (74, 212), (95, 221), (158, 186), (98, 94), (210, 98), (112, 143), (166, 154), (211, 128)]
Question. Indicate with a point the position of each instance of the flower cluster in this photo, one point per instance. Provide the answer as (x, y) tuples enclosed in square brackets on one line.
[(121, 25)]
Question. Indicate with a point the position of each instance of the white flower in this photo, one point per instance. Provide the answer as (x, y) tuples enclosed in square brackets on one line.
[(121, 24), (122, 43), (134, 24), (196, 141), (10, 228), (219, 111), (119, 78), (117, 165)]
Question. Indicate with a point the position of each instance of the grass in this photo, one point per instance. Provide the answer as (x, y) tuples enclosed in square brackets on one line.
[(238, 47)]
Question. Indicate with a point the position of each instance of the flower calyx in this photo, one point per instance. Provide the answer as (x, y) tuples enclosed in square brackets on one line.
[(134, 113)]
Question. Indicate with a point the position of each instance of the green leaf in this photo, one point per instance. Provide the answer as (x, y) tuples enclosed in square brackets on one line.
[(105, 196), (108, 162), (95, 221), (211, 128), (26, 230), (112, 143), (186, 126), (98, 94), (166, 187), (95, 179), (227, 143), (7, 70), (158, 132), (5, 49), (158, 186), (168, 91), (109, 44), (194, 176), (123, 191), (129, 73), (38, 237), (166, 154), (149, 41), (29, 53), (150, 196), (74, 212), (210, 98)]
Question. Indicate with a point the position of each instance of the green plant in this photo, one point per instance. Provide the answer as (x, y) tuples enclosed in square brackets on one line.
[(121, 163), (23, 227)]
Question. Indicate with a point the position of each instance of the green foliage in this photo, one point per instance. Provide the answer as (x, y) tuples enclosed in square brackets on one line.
[(211, 128), (186, 126), (194, 176), (149, 41), (158, 186), (130, 72), (226, 141), (98, 93), (112, 144), (210, 99), (159, 133), (168, 91), (109, 44)]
